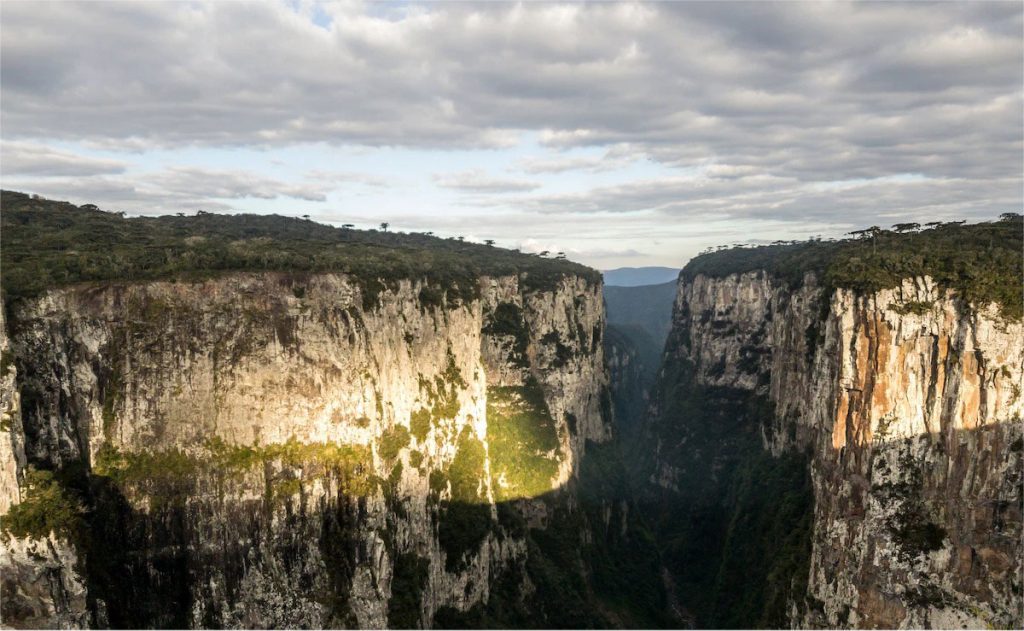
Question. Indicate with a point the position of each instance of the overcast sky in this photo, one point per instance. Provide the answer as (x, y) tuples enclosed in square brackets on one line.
[(622, 134)]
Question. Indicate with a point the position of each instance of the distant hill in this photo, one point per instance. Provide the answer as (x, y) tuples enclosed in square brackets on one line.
[(636, 276), (647, 307)]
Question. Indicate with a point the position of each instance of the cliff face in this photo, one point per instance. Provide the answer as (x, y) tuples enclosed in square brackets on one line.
[(904, 405), (267, 450), (629, 381), (39, 583)]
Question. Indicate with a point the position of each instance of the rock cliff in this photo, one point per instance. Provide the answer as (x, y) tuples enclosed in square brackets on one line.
[(904, 407), (271, 449)]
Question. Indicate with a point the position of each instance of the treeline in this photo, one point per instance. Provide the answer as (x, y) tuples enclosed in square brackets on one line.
[(982, 262), (45, 243)]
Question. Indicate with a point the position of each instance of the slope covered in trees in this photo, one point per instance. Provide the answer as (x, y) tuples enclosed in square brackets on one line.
[(981, 262), (49, 243)]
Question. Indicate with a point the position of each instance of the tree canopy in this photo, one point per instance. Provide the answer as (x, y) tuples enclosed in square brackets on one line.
[(982, 262), (45, 243)]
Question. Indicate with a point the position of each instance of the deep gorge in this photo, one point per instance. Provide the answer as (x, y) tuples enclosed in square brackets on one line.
[(453, 443)]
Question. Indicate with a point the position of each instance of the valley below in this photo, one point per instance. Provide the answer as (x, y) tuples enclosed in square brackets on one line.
[(240, 422)]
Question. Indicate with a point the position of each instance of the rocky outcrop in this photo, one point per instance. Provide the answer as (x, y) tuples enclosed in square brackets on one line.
[(266, 450), (908, 404)]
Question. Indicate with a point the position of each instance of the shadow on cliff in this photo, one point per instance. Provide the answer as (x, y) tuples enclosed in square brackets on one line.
[(143, 568), (188, 557), (735, 525)]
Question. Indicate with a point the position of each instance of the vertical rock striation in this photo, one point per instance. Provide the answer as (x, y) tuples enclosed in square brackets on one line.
[(270, 449), (905, 404)]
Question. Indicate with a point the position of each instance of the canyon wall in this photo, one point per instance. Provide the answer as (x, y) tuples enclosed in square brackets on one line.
[(904, 406), (267, 450)]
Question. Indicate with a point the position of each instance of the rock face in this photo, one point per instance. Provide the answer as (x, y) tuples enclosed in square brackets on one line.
[(906, 407), (629, 382), (39, 581), (267, 450)]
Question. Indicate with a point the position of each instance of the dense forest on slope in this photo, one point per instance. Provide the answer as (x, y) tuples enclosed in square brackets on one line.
[(49, 243), (982, 262)]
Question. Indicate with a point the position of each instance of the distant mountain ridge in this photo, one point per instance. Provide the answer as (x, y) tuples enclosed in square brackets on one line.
[(637, 276)]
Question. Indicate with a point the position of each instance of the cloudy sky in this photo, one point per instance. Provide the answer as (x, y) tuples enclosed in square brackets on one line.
[(622, 134)]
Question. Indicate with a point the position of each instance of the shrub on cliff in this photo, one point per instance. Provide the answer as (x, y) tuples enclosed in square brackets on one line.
[(46, 507)]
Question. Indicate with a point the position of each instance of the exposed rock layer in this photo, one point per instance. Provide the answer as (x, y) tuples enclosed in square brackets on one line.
[(267, 452), (908, 402)]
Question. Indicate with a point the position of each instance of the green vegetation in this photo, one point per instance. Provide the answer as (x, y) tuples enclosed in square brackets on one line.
[(415, 459), (916, 534), (163, 475), (523, 440), (736, 536), (419, 424), (563, 354), (170, 475), (431, 297), (438, 483), (442, 394), (46, 507), (394, 440), (623, 563), (507, 319), (6, 361), (914, 306), (407, 584), (911, 525), (467, 469), (111, 397), (594, 565), (981, 262), (465, 521), (46, 243)]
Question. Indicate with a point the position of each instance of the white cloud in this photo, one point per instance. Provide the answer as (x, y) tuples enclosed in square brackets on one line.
[(174, 189), (765, 114), (25, 158), (683, 82), (476, 181)]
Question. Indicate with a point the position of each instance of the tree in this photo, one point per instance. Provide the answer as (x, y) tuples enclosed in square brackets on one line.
[(1011, 217), (384, 226), (306, 217), (461, 238), (871, 232), (347, 226), (906, 227), (488, 241), (544, 253)]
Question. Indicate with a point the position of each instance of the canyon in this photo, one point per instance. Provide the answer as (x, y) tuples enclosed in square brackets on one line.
[(458, 443)]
